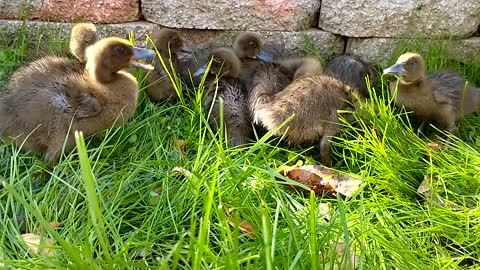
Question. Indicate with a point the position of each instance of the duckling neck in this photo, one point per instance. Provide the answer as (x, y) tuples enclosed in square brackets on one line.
[(100, 73)]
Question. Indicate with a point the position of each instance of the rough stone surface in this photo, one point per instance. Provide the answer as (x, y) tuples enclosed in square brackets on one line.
[(202, 40), (399, 18), (113, 11), (37, 29), (269, 15), (380, 49), (13, 9), (326, 43)]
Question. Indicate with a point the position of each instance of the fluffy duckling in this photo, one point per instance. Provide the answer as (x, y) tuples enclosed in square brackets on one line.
[(82, 36), (301, 67), (352, 70), (443, 97), (168, 43), (225, 71), (248, 47), (39, 106), (314, 100)]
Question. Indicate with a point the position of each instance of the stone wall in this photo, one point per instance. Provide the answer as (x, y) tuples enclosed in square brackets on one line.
[(370, 28)]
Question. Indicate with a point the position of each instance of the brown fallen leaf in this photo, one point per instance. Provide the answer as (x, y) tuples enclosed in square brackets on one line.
[(320, 179), (38, 245), (243, 226), (424, 187), (158, 190), (180, 145), (55, 224), (338, 254), (435, 146)]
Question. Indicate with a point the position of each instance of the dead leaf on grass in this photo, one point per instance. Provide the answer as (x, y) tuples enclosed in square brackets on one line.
[(435, 146), (320, 179), (38, 245), (424, 187), (243, 226), (338, 254), (180, 145), (183, 171)]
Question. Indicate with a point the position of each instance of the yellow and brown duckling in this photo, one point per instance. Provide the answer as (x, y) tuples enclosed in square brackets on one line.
[(225, 72), (82, 36), (168, 43), (314, 100), (41, 102), (442, 97), (353, 70)]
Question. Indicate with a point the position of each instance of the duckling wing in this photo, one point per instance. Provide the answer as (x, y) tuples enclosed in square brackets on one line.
[(448, 87)]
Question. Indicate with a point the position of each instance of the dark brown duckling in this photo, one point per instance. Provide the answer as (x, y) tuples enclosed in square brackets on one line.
[(225, 72), (41, 104), (352, 70), (442, 97), (82, 36), (249, 49), (168, 43), (314, 100)]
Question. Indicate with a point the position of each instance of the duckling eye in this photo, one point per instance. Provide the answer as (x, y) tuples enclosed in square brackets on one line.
[(119, 49), (411, 63), (252, 44)]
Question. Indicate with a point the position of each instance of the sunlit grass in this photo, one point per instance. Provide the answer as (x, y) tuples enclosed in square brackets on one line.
[(123, 206)]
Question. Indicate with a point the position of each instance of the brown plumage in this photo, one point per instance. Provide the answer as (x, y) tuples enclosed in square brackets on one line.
[(42, 101), (442, 97), (82, 36), (224, 72), (313, 99), (248, 48), (352, 70), (168, 43), (298, 67)]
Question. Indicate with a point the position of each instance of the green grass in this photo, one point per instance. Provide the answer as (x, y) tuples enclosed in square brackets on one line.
[(122, 206)]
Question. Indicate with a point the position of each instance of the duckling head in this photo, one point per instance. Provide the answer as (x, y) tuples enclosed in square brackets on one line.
[(410, 67), (224, 63), (169, 41), (249, 45), (110, 55), (82, 35)]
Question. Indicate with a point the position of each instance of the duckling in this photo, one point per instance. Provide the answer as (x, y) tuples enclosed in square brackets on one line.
[(353, 70), (82, 36), (314, 100), (248, 47), (301, 67), (443, 97), (168, 43), (225, 72), (42, 102)]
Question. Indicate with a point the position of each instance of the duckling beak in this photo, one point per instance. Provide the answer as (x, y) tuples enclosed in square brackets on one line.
[(396, 69), (265, 57), (200, 71), (141, 53), (186, 49)]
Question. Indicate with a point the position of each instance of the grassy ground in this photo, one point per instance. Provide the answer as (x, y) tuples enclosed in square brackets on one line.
[(122, 206)]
